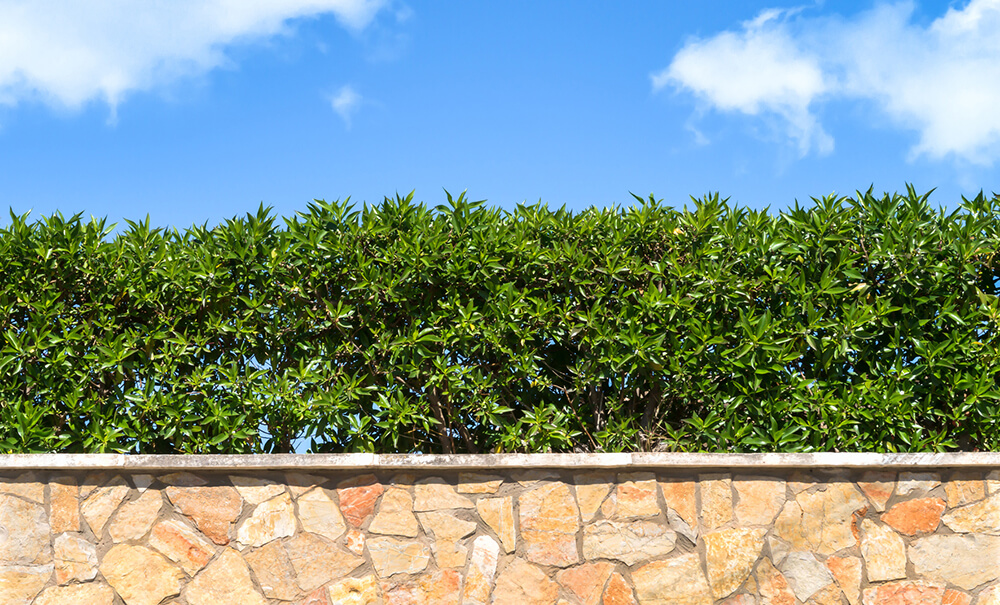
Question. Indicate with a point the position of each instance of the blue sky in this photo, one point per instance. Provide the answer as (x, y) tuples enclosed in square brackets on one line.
[(195, 111)]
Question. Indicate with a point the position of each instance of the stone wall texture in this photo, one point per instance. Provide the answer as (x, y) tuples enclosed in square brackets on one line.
[(535, 536)]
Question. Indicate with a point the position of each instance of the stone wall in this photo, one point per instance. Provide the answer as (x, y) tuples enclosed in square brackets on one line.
[(464, 535)]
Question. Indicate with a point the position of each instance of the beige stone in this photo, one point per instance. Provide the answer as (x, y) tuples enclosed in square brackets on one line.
[(101, 503), (25, 485), (636, 496), (255, 490), (828, 595), (716, 500), (93, 481), (805, 574), (319, 514), (182, 545), (441, 588), (64, 505), (741, 599), (395, 515), (269, 521), (586, 582), (993, 482), (989, 596), (140, 576), (731, 554), (981, 517), (759, 499), (964, 560), (24, 529), (482, 568), (135, 518), (300, 483), (212, 508), (820, 521), (549, 522), (773, 586), (916, 484), (591, 490), (77, 594), (357, 498), (354, 591), (20, 584), (675, 581), (142, 482), (317, 561), (522, 583), (846, 571), (447, 530), (680, 497), (391, 556), (779, 549), (274, 572), (910, 517), (355, 542), (964, 488), (434, 493), (878, 486), (629, 542), (75, 559), (226, 581), (476, 483), (618, 592), (884, 552), (498, 513)]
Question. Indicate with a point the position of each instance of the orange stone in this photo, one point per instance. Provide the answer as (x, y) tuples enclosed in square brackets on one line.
[(357, 498), (434, 589), (586, 582), (847, 572), (955, 597), (318, 597), (964, 488), (618, 592), (213, 509), (65, 505), (774, 588), (911, 517), (878, 486), (905, 593), (636, 496), (679, 496)]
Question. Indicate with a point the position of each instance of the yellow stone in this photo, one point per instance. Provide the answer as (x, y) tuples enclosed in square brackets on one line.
[(759, 499), (550, 521), (135, 518), (821, 521), (255, 490), (182, 545), (24, 530), (522, 583), (319, 514), (74, 558), (354, 591), (884, 552), (390, 556), (141, 576), (964, 488), (476, 483), (716, 500), (226, 581), (102, 502), (482, 568), (636, 496), (64, 505), (395, 515), (447, 530), (675, 581), (434, 493), (20, 584), (317, 561), (629, 542), (981, 517), (498, 513), (274, 571), (731, 554), (269, 521), (591, 490), (77, 594)]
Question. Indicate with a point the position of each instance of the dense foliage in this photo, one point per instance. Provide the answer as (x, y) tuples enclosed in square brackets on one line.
[(866, 323)]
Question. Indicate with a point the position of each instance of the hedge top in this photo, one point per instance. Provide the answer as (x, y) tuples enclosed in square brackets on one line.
[(863, 324)]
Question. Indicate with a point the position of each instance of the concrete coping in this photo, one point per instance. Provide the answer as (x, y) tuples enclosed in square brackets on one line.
[(463, 462)]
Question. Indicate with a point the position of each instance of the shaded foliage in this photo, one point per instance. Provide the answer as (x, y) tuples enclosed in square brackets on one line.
[(865, 323)]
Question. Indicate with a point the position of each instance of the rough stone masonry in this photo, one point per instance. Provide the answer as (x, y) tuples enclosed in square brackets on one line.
[(507, 537)]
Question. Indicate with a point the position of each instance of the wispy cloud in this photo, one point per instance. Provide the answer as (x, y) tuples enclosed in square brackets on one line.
[(941, 80), (69, 53), (346, 103)]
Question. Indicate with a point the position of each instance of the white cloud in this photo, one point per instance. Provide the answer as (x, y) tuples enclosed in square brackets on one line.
[(68, 53), (941, 80), (346, 103)]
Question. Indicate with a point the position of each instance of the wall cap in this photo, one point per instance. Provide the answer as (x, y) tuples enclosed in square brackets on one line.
[(391, 462)]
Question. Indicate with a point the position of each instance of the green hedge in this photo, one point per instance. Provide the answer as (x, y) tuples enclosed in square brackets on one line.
[(865, 323)]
